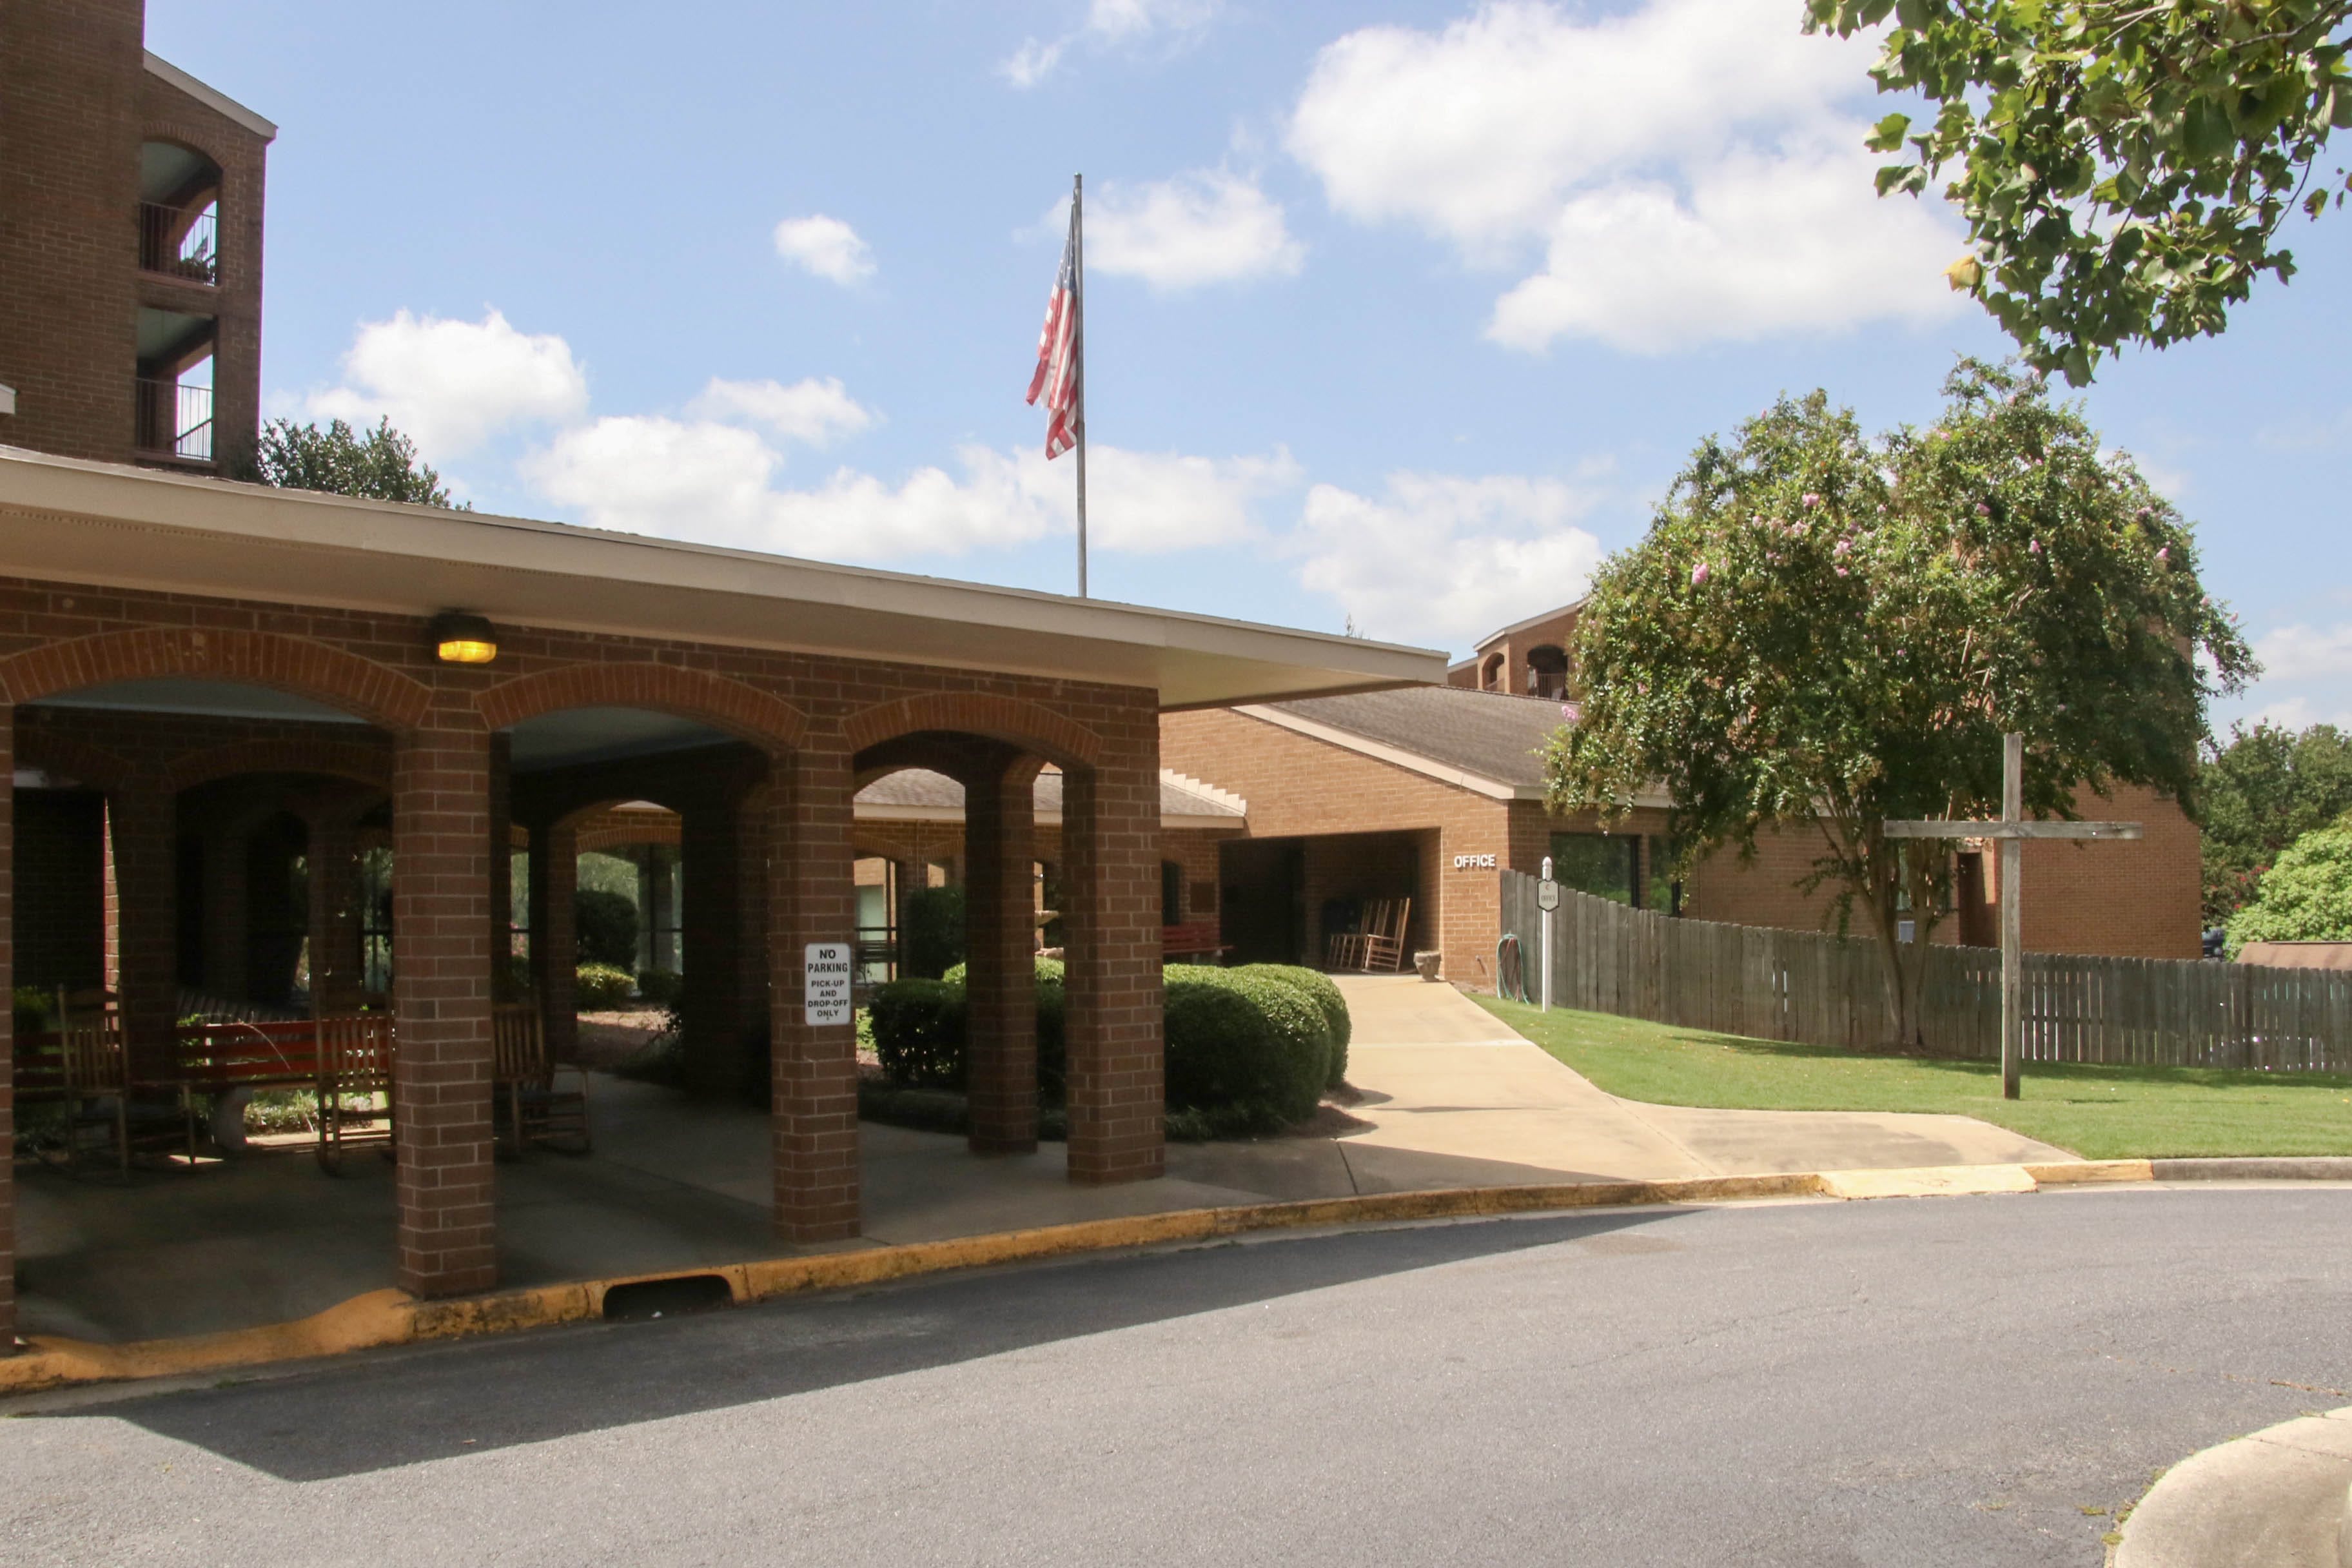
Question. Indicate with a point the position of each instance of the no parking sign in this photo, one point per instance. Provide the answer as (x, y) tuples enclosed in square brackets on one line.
[(824, 985)]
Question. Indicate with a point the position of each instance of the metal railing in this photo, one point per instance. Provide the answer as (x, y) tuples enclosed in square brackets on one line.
[(180, 244), (175, 421)]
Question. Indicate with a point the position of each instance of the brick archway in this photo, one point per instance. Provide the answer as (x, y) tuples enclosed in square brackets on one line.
[(1032, 726), (382, 694), (737, 707), (337, 759)]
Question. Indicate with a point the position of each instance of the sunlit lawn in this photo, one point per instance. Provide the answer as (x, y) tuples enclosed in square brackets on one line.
[(2100, 1112)]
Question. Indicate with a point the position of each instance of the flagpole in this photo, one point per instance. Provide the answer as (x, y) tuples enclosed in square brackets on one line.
[(1079, 352)]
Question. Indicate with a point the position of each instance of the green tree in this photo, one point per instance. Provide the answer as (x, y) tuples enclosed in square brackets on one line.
[(382, 464), (1823, 627), (2124, 168), (2306, 896), (2261, 791)]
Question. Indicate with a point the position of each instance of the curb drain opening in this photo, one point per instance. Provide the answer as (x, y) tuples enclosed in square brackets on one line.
[(644, 1300)]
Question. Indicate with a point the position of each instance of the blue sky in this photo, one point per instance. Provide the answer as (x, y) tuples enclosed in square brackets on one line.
[(1404, 312)]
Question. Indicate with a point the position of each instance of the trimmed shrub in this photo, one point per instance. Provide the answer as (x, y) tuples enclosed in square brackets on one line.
[(1321, 990), (1242, 1045), (931, 941), (1050, 972), (660, 988), (919, 1032), (602, 988), (607, 926)]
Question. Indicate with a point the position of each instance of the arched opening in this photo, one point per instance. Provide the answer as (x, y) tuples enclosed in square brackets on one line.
[(1490, 673), (179, 213), (1547, 671)]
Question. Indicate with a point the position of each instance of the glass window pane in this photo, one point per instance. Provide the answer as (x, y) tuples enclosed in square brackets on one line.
[(1600, 864)]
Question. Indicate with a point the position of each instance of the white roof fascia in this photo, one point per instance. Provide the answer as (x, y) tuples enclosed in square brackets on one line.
[(1460, 778), (212, 98), (69, 520), (1205, 790), (1539, 617)]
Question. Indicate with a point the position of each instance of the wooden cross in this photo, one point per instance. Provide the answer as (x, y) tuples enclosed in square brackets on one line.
[(2010, 833)]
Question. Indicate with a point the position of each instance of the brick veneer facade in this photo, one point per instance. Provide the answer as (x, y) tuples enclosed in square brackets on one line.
[(426, 742)]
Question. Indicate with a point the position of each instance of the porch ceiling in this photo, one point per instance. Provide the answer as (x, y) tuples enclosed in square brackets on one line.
[(106, 524)]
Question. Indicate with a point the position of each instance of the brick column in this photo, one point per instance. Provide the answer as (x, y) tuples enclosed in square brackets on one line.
[(7, 1037), (502, 985), (710, 852), (228, 956), (810, 899), (142, 834), (999, 942), (554, 935), (441, 999), (1110, 891)]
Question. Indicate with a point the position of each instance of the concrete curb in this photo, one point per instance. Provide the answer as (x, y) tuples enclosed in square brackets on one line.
[(382, 1318), (2276, 1499)]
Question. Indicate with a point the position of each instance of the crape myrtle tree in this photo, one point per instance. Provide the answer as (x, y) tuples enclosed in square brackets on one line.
[(381, 464), (1825, 630), (2125, 168)]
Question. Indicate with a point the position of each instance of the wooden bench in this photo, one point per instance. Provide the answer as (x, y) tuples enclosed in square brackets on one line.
[(1195, 940)]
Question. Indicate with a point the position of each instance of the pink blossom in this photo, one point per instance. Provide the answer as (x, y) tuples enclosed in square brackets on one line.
[(2165, 553), (1842, 572), (1812, 498), (1698, 574), (1844, 547), (2034, 548), (1570, 711), (1983, 510)]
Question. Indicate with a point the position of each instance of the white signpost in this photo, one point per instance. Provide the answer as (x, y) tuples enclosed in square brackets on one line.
[(1547, 900), (824, 985), (2010, 833)]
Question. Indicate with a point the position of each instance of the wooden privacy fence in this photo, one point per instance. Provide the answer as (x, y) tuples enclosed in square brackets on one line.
[(1813, 989)]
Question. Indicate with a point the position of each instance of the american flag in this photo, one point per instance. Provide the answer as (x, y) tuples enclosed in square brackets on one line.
[(1057, 355)]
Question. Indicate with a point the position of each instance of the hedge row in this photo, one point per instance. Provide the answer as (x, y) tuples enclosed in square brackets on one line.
[(1251, 1048)]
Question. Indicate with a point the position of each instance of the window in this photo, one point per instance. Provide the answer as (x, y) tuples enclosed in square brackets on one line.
[(1659, 892)]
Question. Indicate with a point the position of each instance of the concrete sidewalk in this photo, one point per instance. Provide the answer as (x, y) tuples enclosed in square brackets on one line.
[(2273, 1499), (1454, 1097)]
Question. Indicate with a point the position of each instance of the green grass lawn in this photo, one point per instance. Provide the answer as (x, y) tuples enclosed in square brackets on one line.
[(2099, 1113)]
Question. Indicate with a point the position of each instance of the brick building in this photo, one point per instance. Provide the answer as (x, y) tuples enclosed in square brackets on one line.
[(131, 210), (1423, 794), (267, 742)]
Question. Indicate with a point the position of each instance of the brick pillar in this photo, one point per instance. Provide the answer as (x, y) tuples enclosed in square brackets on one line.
[(441, 999), (142, 834), (999, 942), (228, 954), (336, 979), (7, 1038), (711, 849), (554, 935), (502, 985), (752, 819), (810, 899), (1111, 906)]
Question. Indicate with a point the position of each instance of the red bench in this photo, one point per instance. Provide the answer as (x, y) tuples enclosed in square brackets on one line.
[(1198, 940)]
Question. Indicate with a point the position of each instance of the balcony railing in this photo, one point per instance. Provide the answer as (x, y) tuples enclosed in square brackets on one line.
[(179, 243), (175, 421)]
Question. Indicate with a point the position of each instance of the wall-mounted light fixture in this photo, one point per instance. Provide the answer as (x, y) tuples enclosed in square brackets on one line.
[(462, 639)]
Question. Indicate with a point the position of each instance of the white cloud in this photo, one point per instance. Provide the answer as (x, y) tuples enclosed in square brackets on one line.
[(1208, 226), (826, 247), (1691, 150), (715, 484), (451, 384), (816, 412), (2306, 653), (1110, 22), (1442, 558)]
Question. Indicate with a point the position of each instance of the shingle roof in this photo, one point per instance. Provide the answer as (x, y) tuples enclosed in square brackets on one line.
[(1491, 734), (919, 787)]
